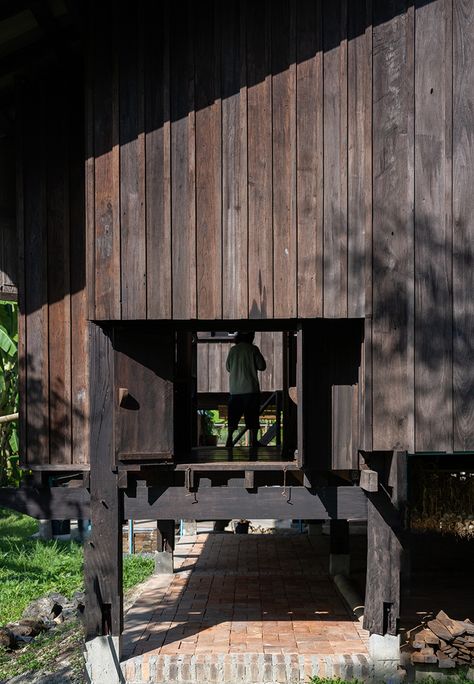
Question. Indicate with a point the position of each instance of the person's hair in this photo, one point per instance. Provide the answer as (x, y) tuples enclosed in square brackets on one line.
[(244, 336)]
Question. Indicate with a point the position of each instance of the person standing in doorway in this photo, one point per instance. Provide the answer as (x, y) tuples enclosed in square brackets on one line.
[(243, 363)]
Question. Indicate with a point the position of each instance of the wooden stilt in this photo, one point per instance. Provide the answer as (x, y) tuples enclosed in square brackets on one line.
[(103, 552), (165, 542)]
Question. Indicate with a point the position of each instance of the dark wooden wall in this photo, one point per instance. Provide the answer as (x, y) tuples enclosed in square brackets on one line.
[(296, 159), (274, 160), (229, 160), (8, 237), (54, 385), (212, 375)]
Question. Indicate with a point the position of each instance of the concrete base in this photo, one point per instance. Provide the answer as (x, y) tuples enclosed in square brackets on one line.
[(45, 529), (189, 528), (339, 564), (384, 652), (103, 660), (164, 563)]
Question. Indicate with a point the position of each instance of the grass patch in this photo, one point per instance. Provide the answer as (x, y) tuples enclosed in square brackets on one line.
[(47, 652), (333, 680), (31, 568), (136, 569)]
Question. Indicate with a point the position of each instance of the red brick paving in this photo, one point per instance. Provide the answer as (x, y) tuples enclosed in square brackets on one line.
[(266, 594)]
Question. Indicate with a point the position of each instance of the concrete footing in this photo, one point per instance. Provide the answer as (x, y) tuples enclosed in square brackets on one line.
[(45, 529), (384, 652), (189, 528), (164, 563), (102, 657)]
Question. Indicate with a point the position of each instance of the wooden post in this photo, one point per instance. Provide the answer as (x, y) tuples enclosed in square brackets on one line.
[(385, 537), (103, 551), (339, 557), (165, 542)]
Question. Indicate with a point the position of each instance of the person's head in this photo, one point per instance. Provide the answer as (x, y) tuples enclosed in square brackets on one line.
[(244, 336)]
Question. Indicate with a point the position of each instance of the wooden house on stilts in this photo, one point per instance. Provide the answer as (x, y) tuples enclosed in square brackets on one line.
[(299, 168)]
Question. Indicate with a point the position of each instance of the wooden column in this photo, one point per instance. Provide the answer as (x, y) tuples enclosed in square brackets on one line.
[(385, 552), (339, 558), (185, 422), (165, 542), (103, 552)]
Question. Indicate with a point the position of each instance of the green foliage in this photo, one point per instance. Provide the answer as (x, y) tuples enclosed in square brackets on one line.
[(136, 569), (10, 474), (31, 568)]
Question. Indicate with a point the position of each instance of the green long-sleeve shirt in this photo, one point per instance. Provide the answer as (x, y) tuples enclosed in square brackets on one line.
[(243, 362)]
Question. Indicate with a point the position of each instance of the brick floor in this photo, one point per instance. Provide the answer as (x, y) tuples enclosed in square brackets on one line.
[(267, 595)]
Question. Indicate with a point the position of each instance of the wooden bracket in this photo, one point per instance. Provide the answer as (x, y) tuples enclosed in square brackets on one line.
[(369, 480), (189, 479), (249, 479), (122, 479)]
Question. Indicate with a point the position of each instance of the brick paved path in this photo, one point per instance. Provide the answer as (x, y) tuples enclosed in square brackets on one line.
[(242, 594)]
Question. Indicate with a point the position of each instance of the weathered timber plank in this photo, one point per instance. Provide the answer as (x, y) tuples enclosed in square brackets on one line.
[(359, 175), (344, 427), (55, 503), (365, 389), (20, 225), (309, 172), (203, 367), (132, 164), (208, 160), (106, 167), (234, 161), (79, 327), (8, 235), (144, 420), (277, 361), (36, 280), (236, 502), (463, 226), (183, 163), (90, 166), (58, 278), (260, 160), (158, 162), (382, 594), (392, 329), (103, 552), (283, 32), (265, 344), (218, 376), (433, 227), (335, 158)]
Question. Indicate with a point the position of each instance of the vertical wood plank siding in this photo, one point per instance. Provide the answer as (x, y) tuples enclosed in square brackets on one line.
[(463, 225), (280, 159), (53, 309), (392, 334), (433, 226)]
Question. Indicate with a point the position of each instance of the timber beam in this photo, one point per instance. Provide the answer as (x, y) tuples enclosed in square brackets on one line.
[(47, 503), (216, 503), (210, 503)]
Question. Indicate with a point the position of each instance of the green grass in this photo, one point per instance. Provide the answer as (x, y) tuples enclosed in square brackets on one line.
[(333, 680), (136, 569), (32, 568), (46, 653)]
